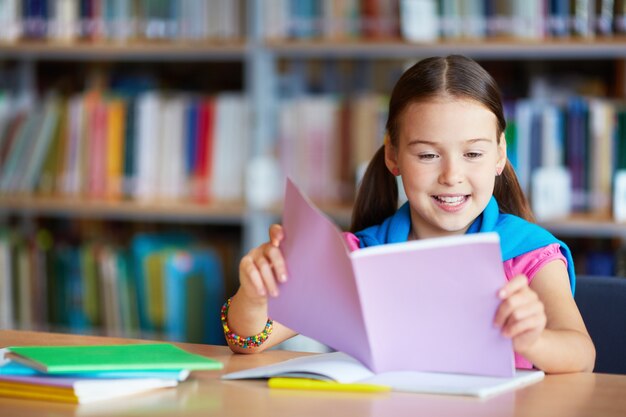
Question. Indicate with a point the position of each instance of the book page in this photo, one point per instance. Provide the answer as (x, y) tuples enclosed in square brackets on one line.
[(334, 366), (429, 305), (319, 299)]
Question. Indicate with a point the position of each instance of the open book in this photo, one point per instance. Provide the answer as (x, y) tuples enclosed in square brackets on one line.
[(339, 367), (425, 305)]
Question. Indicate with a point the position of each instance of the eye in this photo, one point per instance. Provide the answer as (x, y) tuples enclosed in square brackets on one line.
[(427, 156), (473, 155)]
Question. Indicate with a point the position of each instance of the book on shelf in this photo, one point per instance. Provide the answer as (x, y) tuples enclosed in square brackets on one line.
[(355, 301), (147, 147), (446, 19), (342, 368), (194, 293), (120, 20), (162, 284)]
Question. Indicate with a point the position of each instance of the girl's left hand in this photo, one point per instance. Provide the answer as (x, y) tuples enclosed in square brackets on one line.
[(521, 315)]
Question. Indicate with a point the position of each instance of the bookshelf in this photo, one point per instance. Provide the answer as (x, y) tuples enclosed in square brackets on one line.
[(266, 68), (499, 48)]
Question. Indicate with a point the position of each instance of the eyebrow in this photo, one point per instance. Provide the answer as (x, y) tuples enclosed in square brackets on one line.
[(429, 142)]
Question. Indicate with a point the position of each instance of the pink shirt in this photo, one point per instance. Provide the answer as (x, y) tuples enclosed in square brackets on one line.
[(527, 264)]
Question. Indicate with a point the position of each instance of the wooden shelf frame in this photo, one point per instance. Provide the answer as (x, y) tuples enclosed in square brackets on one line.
[(235, 213), (217, 213), (494, 48), (177, 50)]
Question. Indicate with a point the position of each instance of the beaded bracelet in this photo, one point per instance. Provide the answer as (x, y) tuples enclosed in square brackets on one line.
[(244, 342)]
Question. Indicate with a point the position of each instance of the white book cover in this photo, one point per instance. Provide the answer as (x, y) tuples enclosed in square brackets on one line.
[(419, 20), (340, 367), (451, 19), (230, 146), (63, 23), (6, 283), (71, 177), (528, 19), (120, 22), (551, 136), (474, 20), (148, 145), (171, 175), (193, 15), (10, 20), (276, 19)]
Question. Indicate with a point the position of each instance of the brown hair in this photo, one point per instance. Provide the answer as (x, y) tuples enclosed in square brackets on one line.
[(455, 76)]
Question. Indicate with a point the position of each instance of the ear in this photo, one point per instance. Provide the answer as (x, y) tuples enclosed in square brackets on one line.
[(391, 158), (501, 163)]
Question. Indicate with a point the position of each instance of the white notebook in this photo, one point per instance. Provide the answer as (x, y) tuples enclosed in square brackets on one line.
[(340, 367)]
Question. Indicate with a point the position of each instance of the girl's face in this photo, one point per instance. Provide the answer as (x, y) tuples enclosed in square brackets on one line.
[(448, 155)]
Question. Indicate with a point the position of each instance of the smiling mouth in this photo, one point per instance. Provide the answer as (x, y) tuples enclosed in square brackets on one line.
[(451, 200)]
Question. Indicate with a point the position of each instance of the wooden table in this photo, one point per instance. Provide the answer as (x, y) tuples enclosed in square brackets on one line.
[(204, 394)]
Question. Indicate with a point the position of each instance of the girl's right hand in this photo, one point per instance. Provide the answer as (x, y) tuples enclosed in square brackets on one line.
[(263, 268)]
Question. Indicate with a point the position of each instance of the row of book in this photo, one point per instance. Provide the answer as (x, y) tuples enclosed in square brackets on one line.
[(146, 147), (92, 373), (194, 148), (332, 138), (121, 20), (164, 285), (429, 20), (587, 136)]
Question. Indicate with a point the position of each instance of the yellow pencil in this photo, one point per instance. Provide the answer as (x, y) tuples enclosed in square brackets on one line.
[(313, 384)]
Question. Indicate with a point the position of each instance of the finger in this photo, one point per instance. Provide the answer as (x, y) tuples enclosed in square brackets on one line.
[(276, 234), (277, 262), (512, 303), (519, 320), (250, 276), (267, 275), (534, 323), (513, 286)]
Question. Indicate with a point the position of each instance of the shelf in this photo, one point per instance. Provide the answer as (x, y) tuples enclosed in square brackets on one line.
[(166, 211), (572, 48), (591, 226), (128, 51)]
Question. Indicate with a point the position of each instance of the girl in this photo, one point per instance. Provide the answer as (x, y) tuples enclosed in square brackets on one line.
[(445, 137)]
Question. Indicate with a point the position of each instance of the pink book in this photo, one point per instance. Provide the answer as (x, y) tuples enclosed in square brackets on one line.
[(424, 305)]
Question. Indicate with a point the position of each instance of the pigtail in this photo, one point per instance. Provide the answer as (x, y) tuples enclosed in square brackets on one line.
[(377, 196), (509, 195)]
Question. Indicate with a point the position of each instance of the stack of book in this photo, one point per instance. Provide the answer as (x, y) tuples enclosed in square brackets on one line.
[(85, 374)]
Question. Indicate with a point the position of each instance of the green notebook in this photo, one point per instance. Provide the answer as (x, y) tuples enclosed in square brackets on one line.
[(66, 359)]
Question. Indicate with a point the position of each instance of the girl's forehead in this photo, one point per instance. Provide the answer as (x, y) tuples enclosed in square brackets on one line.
[(449, 115)]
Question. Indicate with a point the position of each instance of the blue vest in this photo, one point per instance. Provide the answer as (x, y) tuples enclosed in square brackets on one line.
[(517, 236)]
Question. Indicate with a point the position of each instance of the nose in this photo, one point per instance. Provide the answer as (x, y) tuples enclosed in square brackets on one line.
[(451, 172)]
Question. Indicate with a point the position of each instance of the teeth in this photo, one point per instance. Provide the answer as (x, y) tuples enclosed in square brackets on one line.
[(451, 200)]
